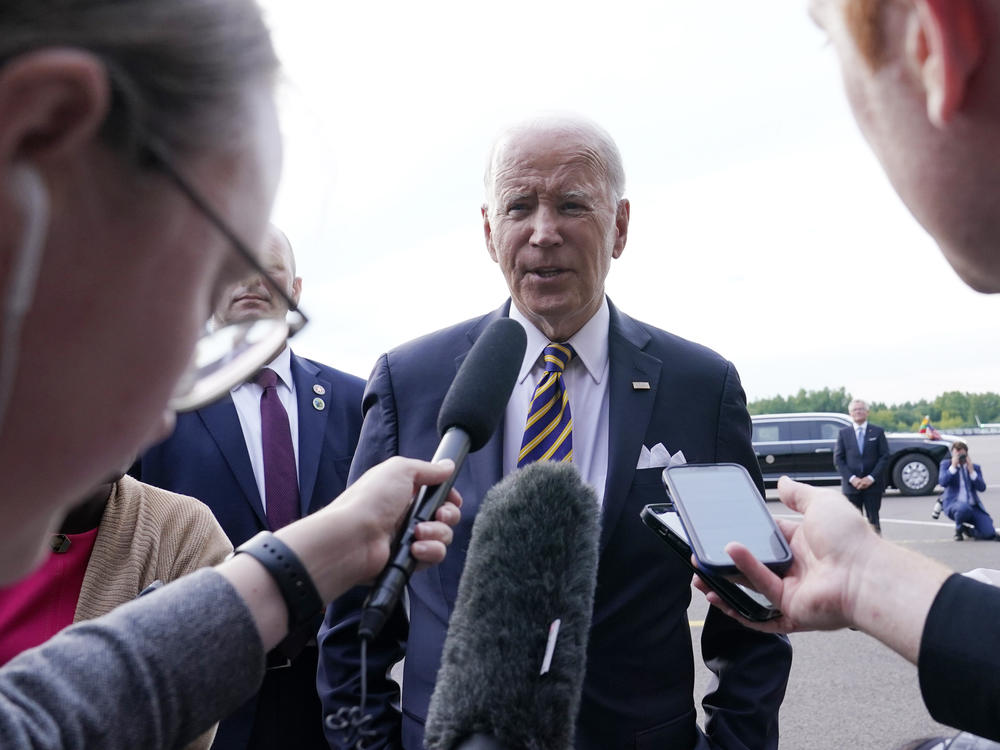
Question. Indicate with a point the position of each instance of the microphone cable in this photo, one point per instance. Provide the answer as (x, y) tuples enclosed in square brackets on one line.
[(353, 722)]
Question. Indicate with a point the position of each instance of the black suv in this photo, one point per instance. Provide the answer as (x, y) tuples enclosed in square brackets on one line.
[(801, 446)]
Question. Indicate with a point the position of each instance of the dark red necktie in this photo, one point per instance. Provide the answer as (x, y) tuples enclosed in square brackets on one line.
[(281, 485)]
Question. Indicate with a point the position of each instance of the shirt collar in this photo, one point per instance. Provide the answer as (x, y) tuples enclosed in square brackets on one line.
[(282, 366), (862, 426), (590, 343)]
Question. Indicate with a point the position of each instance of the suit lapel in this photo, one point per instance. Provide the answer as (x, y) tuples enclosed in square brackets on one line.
[(312, 426), (629, 411), (223, 424)]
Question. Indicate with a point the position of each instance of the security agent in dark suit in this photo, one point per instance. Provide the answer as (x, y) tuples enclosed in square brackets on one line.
[(861, 457), (220, 453), (554, 220)]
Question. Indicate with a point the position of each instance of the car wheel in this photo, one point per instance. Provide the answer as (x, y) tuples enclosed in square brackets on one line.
[(914, 474)]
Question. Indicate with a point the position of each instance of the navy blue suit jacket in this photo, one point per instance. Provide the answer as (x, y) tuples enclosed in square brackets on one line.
[(952, 484), (638, 689), (851, 462), (206, 457)]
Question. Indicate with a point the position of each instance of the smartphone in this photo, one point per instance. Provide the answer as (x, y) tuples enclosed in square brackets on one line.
[(753, 605), (719, 504)]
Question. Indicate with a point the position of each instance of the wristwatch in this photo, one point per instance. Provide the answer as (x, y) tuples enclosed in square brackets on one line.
[(297, 588)]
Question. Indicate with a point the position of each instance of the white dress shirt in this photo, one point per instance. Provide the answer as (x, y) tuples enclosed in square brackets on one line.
[(966, 492), (586, 381), (246, 399)]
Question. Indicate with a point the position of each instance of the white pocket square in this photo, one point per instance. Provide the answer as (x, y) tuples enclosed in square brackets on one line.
[(658, 456)]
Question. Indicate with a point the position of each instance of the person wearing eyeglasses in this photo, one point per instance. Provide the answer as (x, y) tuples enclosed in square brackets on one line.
[(861, 457), (923, 81), (139, 157), (229, 455)]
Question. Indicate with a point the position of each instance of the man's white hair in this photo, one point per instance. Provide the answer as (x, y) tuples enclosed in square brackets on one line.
[(572, 126)]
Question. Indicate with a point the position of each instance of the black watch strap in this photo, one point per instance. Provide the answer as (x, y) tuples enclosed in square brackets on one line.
[(297, 589)]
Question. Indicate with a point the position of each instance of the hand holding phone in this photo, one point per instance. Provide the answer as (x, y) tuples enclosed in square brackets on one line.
[(661, 518), (719, 504)]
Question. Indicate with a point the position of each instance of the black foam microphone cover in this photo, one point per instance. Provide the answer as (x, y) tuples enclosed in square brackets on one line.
[(532, 559), (480, 391)]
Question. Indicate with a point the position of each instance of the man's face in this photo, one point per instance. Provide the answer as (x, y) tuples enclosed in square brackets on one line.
[(859, 413), (945, 173), (252, 297), (553, 226)]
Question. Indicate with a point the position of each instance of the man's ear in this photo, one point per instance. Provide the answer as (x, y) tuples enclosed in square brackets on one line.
[(296, 289), (622, 213), (51, 100), (945, 42), (488, 232)]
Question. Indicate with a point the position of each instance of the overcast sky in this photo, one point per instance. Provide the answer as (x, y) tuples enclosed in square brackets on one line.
[(761, 224)]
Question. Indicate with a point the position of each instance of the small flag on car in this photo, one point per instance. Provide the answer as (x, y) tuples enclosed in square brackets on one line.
[(926, 428)]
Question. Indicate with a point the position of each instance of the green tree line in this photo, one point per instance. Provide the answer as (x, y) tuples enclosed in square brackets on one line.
[(948, 411)]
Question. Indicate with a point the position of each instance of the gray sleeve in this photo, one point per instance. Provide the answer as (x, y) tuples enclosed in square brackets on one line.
[(154, 673)]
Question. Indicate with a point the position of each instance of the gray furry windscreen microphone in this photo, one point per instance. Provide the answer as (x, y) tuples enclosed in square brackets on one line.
[(507, 672)]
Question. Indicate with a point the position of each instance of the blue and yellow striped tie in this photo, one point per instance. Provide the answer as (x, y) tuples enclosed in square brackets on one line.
[(548, 434)]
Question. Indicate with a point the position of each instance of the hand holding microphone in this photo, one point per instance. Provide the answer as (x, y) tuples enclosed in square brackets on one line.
[(469, 415)]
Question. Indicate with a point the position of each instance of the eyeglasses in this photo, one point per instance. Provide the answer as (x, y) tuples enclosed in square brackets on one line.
[(229, 354)]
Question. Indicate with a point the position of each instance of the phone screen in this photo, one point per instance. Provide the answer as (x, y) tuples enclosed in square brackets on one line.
[(720, 504), (751, 604)]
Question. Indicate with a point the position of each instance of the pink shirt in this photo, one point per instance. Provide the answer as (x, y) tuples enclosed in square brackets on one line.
[(36, 608)]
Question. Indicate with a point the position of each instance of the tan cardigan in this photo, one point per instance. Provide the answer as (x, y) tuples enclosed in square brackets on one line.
[(148, 534)]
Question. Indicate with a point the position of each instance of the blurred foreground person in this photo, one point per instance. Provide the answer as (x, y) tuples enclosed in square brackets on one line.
[(923, 79), (139, 156)]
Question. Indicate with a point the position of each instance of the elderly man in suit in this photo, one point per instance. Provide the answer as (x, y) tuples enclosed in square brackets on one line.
[(554, 219), (861, 457), (277, 448)]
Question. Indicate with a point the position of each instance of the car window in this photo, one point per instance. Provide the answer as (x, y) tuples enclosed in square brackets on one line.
[(773, 432), (766, 433), (826, 430), (800, 429)]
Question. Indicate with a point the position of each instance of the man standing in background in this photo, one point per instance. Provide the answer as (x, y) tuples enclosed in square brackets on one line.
[(277, 448), (861, 457)]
